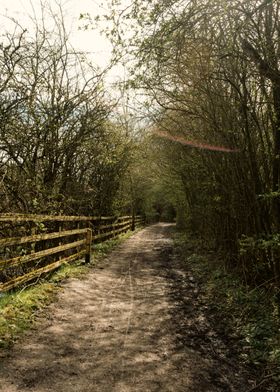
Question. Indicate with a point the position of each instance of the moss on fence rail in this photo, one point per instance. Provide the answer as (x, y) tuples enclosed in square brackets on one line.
[(41, 247), (19, 309)]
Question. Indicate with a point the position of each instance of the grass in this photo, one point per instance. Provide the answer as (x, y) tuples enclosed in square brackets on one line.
[(20, 308), (248, 316)]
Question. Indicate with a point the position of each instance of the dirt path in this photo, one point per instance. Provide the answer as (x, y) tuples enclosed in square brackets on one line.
[(132, 325)]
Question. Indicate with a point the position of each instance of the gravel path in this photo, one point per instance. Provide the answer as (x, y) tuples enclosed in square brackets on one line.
[(123, 329)]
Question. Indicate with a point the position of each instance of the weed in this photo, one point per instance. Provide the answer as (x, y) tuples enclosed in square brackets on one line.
[(249, 315)]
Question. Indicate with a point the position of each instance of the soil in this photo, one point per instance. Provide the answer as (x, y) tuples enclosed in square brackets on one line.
[(134, 324)]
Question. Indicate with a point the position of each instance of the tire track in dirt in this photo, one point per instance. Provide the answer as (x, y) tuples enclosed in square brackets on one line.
[(121, 330)]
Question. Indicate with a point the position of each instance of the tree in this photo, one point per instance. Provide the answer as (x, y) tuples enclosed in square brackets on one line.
[(209, 69), (60, 150)]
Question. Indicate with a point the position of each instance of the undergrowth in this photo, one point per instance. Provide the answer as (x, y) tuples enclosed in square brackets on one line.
[(19, 308), (248, 316)]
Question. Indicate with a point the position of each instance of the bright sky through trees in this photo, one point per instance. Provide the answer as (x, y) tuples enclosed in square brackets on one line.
[(90, 40)]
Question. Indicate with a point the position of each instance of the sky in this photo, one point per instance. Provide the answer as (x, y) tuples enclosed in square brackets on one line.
[(90, 41)]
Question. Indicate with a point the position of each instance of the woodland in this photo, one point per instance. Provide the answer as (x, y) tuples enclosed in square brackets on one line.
[(207, 145), (209, 71), (193, 137), (204, 150)]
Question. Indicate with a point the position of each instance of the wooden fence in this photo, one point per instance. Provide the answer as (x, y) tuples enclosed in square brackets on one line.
[(37, 244)]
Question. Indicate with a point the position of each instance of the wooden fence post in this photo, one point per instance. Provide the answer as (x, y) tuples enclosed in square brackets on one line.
[(33, 245), (60, 242), (133, 221), (88, 246)]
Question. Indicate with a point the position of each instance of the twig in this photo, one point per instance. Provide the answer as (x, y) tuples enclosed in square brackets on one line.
[(30, 284), (262, 382)]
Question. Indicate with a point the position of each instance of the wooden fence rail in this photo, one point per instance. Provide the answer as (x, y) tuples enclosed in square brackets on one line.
[(26, 257)]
